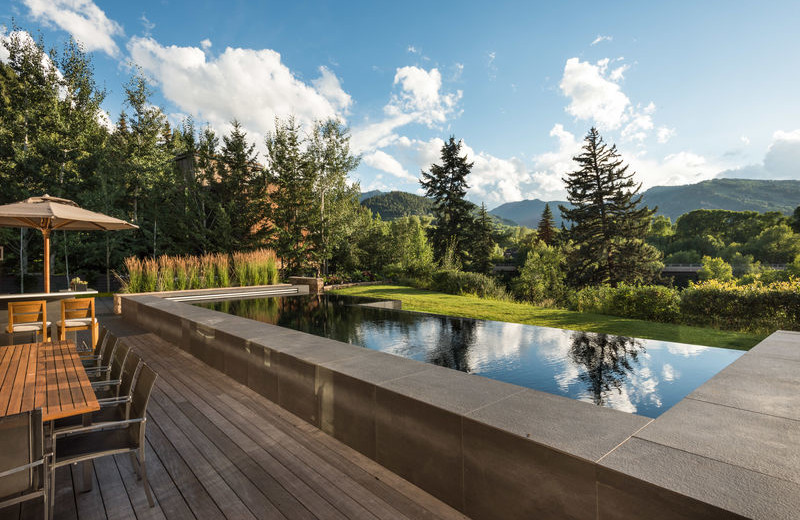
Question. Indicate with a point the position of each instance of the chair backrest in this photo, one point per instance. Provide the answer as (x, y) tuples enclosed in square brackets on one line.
[(21, 443), (26, 312), (105, 340), (77, 308), (107, 353), (118, 361), (141, 396), (100, 339), (129, 370)]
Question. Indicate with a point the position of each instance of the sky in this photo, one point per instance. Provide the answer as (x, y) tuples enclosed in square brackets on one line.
[(688, 91)]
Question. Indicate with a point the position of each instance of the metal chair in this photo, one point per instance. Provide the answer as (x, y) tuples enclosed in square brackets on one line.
[(28, 316), (84, 349), (101, 379), (24, 474), (102, 367), (114, 397), (110, 438), (91, 357), (77, 314)]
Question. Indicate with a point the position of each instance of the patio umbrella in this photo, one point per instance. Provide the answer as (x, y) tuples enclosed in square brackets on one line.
[(48, 213)]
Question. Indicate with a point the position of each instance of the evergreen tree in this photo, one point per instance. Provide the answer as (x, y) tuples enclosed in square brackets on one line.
[(609, 226), (446, 184), (546, 230), (482, 243)]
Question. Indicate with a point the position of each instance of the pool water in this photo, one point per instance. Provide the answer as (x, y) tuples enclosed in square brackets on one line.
[(640, 376)]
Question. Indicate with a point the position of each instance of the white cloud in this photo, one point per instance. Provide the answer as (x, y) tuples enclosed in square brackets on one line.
[(618, 73), (413, 50), (781, 160), (250, 85), (86, 22), (385, 162), (331, 88), (205, 44), (600, 38), (592, 95), (745, 140), (664, 134)]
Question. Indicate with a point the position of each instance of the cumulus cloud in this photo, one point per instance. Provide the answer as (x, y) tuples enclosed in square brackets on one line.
[(83, 19), (664, 134), (250, 85), (781, 160), (385, 162)]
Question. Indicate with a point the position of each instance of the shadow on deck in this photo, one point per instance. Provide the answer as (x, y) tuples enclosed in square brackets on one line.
[(217, 449)]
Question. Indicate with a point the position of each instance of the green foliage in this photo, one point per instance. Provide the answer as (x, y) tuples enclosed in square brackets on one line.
[(775, 245), (608, 224), (644, 302), (715, 269), (542, 280), (683, 257), (757, 307), (397, 204), (447, 185), (482, 244), (452, 281)]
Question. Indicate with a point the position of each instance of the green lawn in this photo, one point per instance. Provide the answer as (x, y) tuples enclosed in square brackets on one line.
[(474, 307)]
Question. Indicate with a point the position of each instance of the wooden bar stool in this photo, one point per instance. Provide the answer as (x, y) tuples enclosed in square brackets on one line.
[(77, 314), (28, 316)]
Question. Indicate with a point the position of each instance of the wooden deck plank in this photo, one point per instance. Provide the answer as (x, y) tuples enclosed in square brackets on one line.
[(113, 492), (65, 506), (29, 392), (9, 381), (195, 495), (90, 503), (20, 376), (326, 487), (135, 489), (170, 498), (223, 495), (248, 492)]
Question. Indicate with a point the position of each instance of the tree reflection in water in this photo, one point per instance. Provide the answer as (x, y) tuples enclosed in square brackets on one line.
[(607, 361), (451, 349)]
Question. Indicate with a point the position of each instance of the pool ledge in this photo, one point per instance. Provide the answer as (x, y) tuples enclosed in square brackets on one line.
[(496, 450)]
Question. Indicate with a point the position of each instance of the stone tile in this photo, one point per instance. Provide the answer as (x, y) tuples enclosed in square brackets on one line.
[(297, 387), (763, 443), (376, 367), (781, 344), (314, 349), (347, 409), (451, 390), (761, 384), (641, 479), (421, 443), (580, 429), (506, 476)]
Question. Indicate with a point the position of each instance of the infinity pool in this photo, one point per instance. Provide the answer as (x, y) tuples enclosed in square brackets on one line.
[(640, 376)]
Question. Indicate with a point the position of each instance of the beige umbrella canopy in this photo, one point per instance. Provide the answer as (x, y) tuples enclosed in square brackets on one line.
[(48, 213)]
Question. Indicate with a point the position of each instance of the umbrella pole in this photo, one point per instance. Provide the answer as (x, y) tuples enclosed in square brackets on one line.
[(46, 233)]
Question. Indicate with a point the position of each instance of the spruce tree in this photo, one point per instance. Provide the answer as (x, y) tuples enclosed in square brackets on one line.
[(482, 243), (446, 184), (546, 230), (608, 223)]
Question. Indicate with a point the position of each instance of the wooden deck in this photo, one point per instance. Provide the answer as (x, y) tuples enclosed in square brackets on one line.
[(216, 449)]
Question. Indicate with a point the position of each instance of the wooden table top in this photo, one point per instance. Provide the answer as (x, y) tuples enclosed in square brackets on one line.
[(49, 376)]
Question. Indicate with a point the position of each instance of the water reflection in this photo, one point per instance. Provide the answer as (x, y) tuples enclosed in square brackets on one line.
[(634, 375)]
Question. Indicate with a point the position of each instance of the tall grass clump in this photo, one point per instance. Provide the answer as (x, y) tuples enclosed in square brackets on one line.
[(259, 267), (181, 273), (240, 267), (166, 274), (222, 269), (135, 273), (208, 275), (192, 272), (149, 275)]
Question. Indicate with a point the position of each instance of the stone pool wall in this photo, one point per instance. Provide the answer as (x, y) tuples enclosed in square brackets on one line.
[(495, 450)]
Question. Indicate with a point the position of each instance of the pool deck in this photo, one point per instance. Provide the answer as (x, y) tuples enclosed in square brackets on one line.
[(217, 449)]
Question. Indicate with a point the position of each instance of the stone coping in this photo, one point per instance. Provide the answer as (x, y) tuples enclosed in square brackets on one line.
[(730, 449), (220, 291)]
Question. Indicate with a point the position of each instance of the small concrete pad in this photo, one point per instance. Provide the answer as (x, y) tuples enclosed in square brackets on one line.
[(580, 429), (641, 479), (762, 384), (758, 442)]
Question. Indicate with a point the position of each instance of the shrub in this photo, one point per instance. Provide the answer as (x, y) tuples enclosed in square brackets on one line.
[(542, 279), (644, 302), (756, 307), (452, 281), (715, 269)]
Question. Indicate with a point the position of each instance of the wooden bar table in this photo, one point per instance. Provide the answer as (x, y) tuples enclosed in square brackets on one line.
[(49, 376)]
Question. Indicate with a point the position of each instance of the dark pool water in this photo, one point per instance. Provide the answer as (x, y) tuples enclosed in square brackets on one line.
[(640, 376)]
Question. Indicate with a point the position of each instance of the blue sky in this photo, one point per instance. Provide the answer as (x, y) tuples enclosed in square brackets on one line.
[(688, 90)]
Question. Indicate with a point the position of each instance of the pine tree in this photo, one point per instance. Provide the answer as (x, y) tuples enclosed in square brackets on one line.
[(609, 226), (546, 230), (446, 184), (482, 243)]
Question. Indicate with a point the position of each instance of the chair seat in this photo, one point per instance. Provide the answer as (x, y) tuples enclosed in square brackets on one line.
[(91, 445), (111, 413), (29, 327), (78, 322)]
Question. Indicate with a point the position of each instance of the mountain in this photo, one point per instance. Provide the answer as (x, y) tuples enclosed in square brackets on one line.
[(397, 204), (368, 194), (674, 201)]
